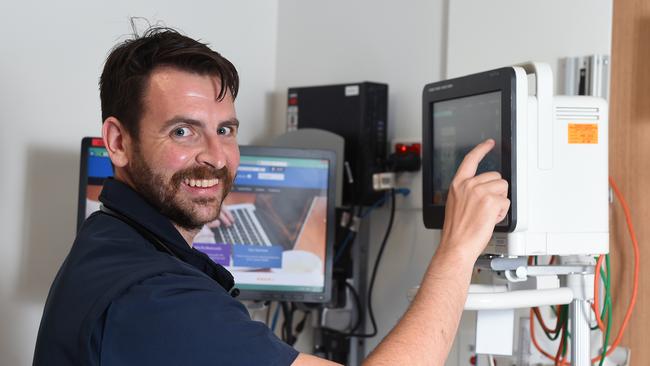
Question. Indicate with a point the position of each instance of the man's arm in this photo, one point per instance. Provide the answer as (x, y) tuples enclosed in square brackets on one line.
[(425, 333)]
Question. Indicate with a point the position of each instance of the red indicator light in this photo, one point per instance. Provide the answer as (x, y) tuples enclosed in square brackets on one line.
[(416, 147), (407, 148), (97, 142), (293, 101)]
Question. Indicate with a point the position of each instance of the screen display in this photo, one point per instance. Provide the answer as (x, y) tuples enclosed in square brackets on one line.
[(99, 168), (278, 239), (458, 126)]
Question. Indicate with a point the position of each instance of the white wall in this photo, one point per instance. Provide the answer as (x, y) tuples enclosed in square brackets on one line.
[(486, 34), (51, 56)]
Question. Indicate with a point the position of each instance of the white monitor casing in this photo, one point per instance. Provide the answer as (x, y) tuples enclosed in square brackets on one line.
[(562, 193)]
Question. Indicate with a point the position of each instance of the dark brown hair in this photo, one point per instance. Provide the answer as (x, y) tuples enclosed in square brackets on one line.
[(123, 82)]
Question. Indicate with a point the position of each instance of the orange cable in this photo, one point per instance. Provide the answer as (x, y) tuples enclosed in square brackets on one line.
[(532, 337), (635, 288), (594, 306)]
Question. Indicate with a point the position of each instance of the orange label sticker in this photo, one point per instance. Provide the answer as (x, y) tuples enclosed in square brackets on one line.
[(583, 133)]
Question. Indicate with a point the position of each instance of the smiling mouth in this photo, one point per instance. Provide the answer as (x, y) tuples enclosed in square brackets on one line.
[(201, 183)]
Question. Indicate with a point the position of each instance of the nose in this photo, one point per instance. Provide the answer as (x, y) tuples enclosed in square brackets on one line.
[(212, 153)]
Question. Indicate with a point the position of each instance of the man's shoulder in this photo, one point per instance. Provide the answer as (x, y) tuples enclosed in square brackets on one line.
[(200, 319), (178, 290)]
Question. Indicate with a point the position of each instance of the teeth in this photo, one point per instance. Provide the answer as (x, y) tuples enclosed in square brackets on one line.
[(203, 183)]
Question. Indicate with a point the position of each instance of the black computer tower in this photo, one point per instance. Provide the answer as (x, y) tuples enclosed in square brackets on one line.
[(357, 112)]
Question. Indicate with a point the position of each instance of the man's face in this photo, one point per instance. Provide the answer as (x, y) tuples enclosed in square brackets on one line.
[(186, 156)]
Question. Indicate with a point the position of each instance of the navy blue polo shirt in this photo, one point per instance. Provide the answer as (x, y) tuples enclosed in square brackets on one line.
[(118, 300)]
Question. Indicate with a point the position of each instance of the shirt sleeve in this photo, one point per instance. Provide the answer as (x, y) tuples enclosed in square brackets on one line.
[(174, 319)]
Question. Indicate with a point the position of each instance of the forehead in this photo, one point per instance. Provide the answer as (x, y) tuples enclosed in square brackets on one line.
[(171, 92)]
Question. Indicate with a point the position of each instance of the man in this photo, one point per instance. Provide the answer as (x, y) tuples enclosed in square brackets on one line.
[(132, 291)]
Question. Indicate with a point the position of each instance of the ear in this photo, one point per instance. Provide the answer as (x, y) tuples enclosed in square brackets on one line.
[(117, 142)]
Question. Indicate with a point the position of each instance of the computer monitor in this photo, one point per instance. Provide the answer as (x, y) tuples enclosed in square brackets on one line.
[(280, 245), (95, 168)]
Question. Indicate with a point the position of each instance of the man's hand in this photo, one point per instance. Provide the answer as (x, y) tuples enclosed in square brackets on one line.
[(226, 218), (475, 204)]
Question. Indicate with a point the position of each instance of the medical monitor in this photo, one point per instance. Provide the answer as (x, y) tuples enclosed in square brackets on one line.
[(280, 244), (552, 150), (458, 114)]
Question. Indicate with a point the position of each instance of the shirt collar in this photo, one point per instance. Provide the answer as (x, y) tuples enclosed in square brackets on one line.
[(118, 196)]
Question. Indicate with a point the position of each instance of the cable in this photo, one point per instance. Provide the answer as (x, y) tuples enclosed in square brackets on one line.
[(357, 303), (268, 313), (534, 340), (288, 308), (628, 313), (371, 313), (560, 356), (276, 314), (538, 315), (348, 238), (607, 284), (594, 306), (635, 286), (547, 330), (608, 304)]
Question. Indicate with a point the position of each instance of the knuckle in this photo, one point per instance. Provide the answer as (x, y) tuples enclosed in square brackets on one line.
[(455, 185), (485, 201), (479, 190)]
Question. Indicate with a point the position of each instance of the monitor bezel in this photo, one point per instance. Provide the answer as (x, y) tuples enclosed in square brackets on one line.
[(298, 153), (500, 80)]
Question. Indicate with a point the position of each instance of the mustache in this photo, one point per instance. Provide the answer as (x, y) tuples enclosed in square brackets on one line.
[(201, 172)]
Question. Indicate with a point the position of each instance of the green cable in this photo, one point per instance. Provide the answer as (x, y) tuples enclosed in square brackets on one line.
[(605, 278), (608, 303), (565, 333), (555, 335)]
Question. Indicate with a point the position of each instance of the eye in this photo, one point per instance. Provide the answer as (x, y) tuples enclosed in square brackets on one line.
[(182, 132), (225, 130)]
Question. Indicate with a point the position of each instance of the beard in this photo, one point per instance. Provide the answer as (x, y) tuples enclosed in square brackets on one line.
[(163, 195)]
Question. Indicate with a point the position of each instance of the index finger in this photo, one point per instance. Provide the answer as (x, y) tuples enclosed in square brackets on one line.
[(468, 167)]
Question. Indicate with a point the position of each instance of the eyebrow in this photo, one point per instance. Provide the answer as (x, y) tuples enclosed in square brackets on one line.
[(230, 122), (195, 122)]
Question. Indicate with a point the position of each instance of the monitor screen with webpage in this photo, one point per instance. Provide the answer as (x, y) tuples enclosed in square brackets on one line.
[(279, 246)]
